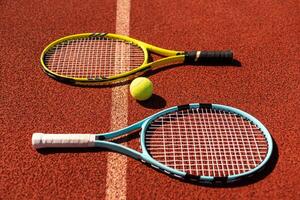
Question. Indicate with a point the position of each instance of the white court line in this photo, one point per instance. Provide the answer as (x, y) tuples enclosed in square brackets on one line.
[(116, 163)]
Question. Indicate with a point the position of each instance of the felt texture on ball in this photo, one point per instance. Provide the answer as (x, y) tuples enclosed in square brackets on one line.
[(141, 88)]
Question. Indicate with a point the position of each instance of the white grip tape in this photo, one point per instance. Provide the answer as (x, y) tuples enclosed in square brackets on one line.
[(42, 140)]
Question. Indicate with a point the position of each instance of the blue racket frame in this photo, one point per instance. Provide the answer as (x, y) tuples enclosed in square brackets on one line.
[(144, 156)]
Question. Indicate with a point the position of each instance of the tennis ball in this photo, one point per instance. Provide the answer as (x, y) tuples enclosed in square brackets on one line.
[(141, 88)]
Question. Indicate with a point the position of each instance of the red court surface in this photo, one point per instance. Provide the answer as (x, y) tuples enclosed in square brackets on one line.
[(264, 36)]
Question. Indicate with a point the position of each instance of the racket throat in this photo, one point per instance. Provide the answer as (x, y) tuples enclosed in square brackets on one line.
[(104, 141)]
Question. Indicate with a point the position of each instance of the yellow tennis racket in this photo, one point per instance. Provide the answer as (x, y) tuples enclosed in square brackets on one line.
[(105, 58)]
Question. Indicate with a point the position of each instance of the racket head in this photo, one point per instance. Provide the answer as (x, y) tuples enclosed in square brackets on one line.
[(237, 147), (76, 59)]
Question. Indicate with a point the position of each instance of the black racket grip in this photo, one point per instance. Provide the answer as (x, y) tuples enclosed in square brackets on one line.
[(199, 57)]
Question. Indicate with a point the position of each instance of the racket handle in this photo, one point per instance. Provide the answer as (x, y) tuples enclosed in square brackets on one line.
[(195, 57), (42, 140)]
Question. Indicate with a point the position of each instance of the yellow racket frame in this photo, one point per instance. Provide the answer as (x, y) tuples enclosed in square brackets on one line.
[(171, 57)]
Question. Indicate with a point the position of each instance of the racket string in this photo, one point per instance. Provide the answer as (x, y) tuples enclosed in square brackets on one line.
[(206, 142), (93, 57)]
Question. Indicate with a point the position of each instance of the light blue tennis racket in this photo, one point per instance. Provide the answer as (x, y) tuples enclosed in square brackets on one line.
[(208, 143)]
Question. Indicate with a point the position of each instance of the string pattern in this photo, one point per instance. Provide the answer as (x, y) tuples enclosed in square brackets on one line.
[(206, 142), (93, 57)]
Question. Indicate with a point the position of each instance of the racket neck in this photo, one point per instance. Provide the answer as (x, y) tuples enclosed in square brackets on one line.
[(121, 132), (100, 140), (161, 51), (168, 61), (119, 148)]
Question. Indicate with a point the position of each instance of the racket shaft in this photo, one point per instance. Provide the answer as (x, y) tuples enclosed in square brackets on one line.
[(41, 140)]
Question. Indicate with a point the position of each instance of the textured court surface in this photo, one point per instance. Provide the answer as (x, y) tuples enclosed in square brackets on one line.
[(264, 36)]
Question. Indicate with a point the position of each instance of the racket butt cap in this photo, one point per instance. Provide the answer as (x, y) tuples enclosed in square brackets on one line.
[(36, 140)]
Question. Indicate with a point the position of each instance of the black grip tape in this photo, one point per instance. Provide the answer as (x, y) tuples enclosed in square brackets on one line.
[(195, 57)]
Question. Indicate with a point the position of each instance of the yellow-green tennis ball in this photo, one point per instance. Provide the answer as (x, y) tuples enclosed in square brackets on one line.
[(141, 88)]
